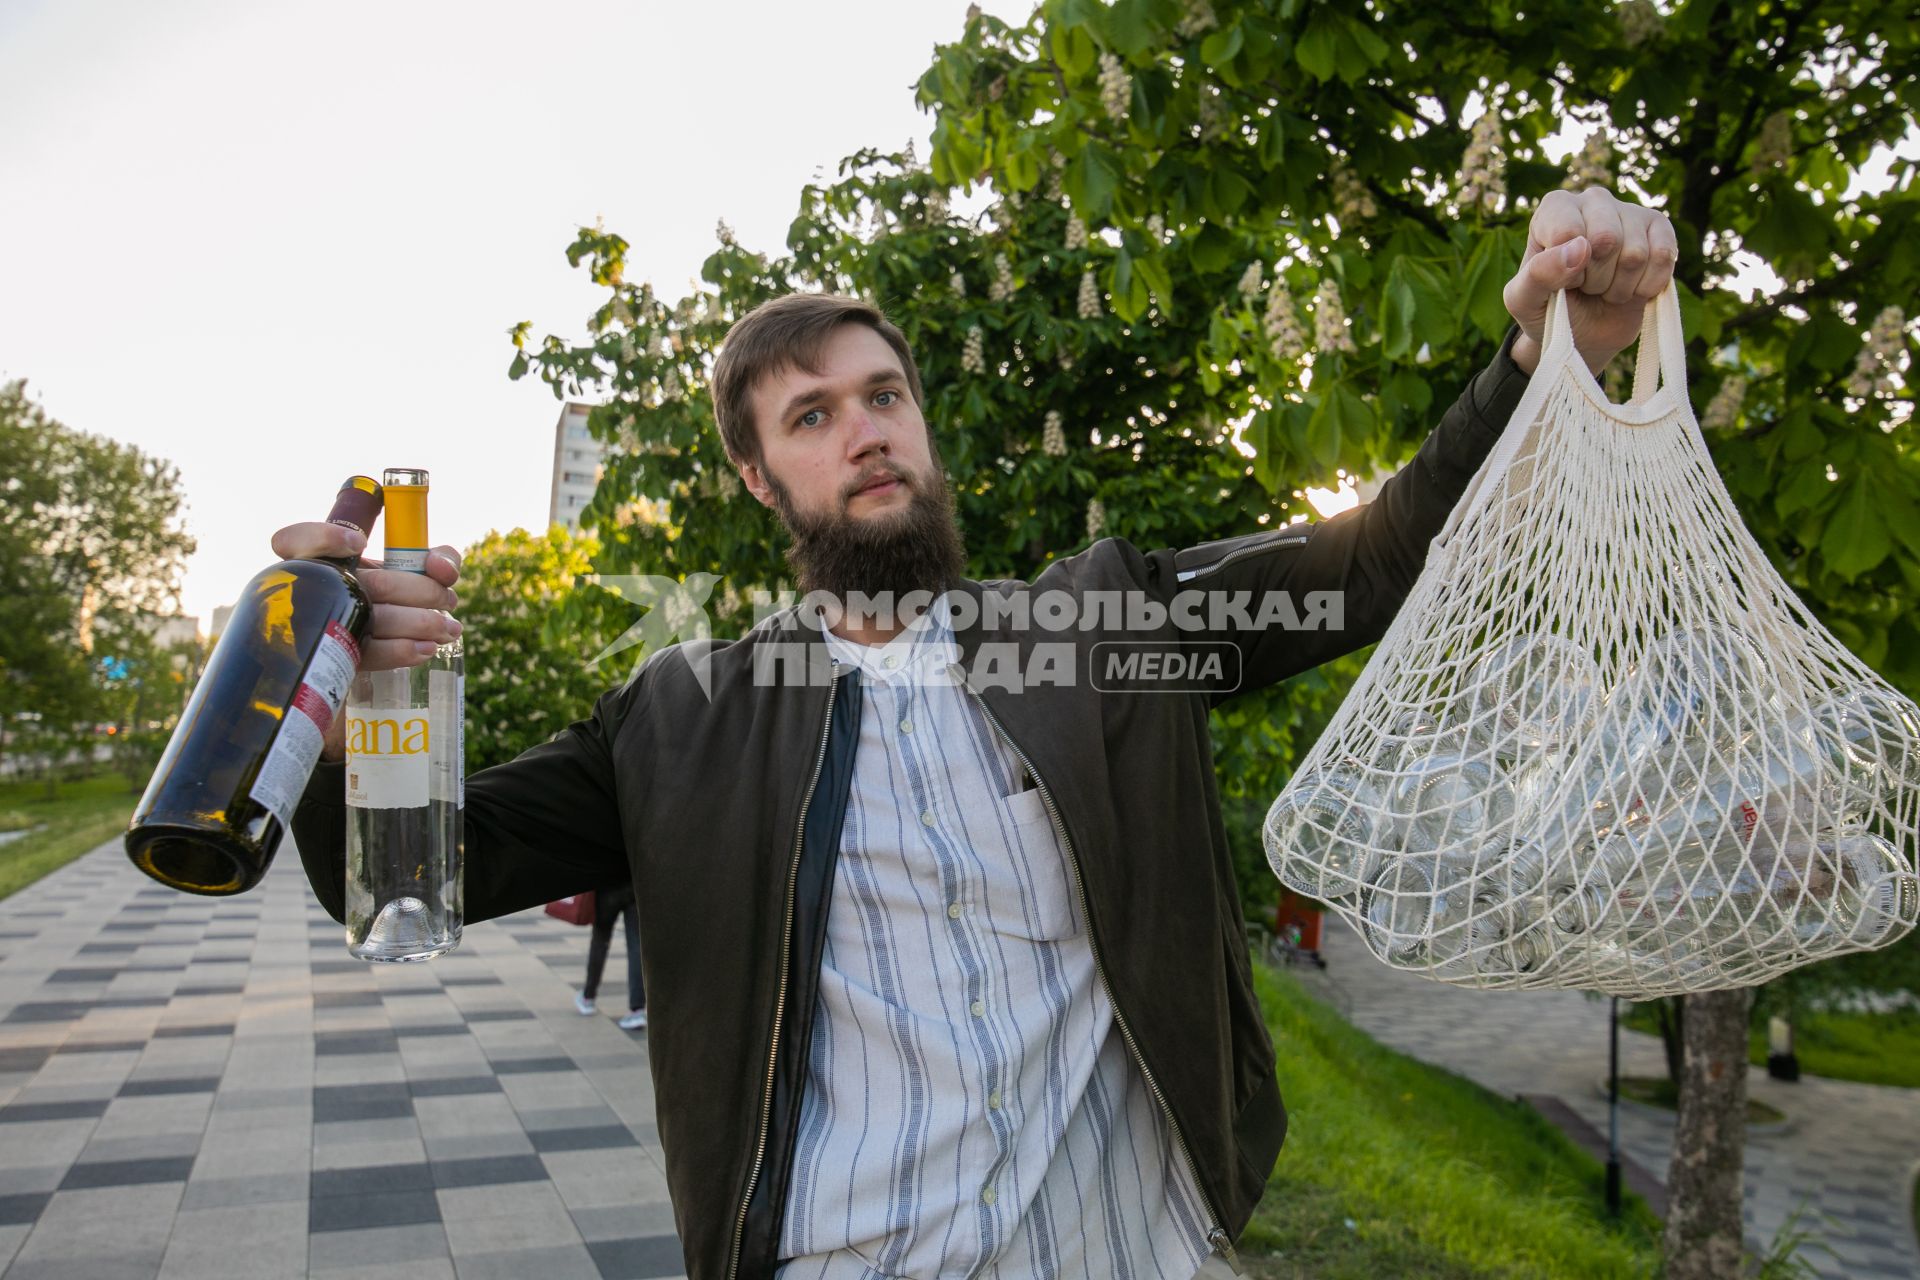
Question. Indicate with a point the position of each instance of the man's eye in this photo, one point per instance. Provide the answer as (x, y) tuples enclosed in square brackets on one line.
[(886, 398), (806, 419)]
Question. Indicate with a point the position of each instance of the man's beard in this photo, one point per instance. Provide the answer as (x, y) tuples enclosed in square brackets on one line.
[(915, 549)]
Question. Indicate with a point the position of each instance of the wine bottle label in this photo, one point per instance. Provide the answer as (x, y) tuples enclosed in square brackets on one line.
[(388, 754), (303, 729), (446, 705)]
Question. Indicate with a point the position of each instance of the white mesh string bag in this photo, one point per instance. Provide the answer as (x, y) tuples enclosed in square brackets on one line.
[(1603, 745)]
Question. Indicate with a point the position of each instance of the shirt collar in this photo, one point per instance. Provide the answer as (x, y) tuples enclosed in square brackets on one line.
[(927, 644)]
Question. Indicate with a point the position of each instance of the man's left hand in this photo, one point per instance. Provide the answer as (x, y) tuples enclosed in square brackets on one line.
[(1612, 258)]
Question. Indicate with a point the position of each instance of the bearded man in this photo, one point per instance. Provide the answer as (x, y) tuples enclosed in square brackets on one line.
[(946, 963)]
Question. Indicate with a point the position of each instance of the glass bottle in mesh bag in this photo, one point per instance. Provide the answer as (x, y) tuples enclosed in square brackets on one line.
[(1534, 692), (1649, 894), (1767, 795), (406, 784), (1695, 689), (1450, 802), (1877, 736), (1853, 887), (1320, 832), (1439, 910)]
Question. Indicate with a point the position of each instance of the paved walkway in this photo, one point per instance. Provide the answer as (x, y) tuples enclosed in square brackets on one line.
[(1846, 1154), (212, 1088)]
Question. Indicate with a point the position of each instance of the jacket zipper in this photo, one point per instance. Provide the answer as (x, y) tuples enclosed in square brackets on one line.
[(780, 1004), (1216, 1234), (1291, 540)]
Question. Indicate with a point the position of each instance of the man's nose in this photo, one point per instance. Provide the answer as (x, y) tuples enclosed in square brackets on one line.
[(864, 435)]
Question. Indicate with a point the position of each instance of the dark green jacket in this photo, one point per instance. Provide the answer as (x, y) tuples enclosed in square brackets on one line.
[(723, 802)]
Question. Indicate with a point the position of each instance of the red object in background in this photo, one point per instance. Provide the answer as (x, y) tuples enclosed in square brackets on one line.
[(575, 910), (1296, 921)]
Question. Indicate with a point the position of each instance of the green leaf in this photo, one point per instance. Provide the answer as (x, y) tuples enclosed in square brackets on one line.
[(1130, 27), (1221, 46), (1152, 270), (1318, 47), (1800, 439), (1226, 192), (1804, 490), (1074, 50), (1090, 179), (1856, 539), (1483, 285), (1272, 148), (1211, 250), (1399, 312)]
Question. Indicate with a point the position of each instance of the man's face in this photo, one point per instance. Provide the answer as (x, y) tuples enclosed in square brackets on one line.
[(847, 463), (846, 444)]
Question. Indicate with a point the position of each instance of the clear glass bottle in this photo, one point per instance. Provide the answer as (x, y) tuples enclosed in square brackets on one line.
[(1320, 832), (406, 778)]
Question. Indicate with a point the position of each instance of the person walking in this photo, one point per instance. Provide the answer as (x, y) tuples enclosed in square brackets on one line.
[(949, 969), (607, 905)]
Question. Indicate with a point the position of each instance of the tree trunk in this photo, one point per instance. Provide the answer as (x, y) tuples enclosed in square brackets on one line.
[(1703, 1180)]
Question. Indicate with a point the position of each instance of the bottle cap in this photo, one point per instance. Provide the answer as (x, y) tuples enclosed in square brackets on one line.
[(358, 505)]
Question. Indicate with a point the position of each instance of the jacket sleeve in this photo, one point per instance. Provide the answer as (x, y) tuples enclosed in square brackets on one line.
[(542, 826), (1344, 578)]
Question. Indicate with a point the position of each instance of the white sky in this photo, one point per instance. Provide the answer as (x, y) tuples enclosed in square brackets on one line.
[(282, 243)]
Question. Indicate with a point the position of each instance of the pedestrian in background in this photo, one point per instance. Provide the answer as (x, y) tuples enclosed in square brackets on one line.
[(607, 904)]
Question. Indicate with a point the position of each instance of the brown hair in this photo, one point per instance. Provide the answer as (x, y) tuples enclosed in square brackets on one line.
[(781, 334)]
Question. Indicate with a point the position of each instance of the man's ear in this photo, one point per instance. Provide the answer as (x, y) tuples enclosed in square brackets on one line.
[(756, 482)]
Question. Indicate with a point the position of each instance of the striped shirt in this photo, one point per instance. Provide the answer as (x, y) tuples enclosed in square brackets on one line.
[(971, 1108)]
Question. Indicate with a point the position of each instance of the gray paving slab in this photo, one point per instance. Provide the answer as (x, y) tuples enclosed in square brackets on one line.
[(1845, 1159), (177, 1075)]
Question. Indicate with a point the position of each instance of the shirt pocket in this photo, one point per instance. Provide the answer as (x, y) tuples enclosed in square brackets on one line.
[(1029, 888)]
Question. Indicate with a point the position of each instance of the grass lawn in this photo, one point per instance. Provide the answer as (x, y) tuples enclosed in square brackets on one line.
[(1872, 1048), (1393, 1168), (85, 814)]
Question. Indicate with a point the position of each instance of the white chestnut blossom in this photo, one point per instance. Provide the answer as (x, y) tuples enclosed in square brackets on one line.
[(1725, 405), (1639, 21), (935, 204), (1330, 321), (725, 233), (1053, 440), (1091, 307), (1116, 87), (1197, 20), (1873, 369), (1483, 170), (1352, 202), (1250, 280), (973, 357), (670, 388), (1775, 145), (1282, 324), (1157, 228), (1214, 116), (1593, 163), (958, 284), (1076, 233), (1096, 518), (1001, 290)]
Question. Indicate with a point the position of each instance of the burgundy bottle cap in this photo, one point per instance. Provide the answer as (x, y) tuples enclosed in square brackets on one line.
[(358, 505)]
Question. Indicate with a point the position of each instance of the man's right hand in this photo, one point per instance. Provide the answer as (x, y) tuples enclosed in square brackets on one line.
[(408, 624)]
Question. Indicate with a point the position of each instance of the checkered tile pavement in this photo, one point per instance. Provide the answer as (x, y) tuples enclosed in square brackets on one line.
[(212, 1088)]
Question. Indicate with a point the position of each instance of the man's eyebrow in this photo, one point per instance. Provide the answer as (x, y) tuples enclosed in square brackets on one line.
[(817, 394)]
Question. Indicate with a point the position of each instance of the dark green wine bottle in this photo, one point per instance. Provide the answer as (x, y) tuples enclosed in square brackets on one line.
[(223, 794)]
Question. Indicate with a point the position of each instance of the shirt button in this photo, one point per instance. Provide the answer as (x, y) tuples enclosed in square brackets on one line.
[(979, 1008), (890, 662), (953, 911), (926, 817), (993, 1100), (906, 726), (987, 1196)]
